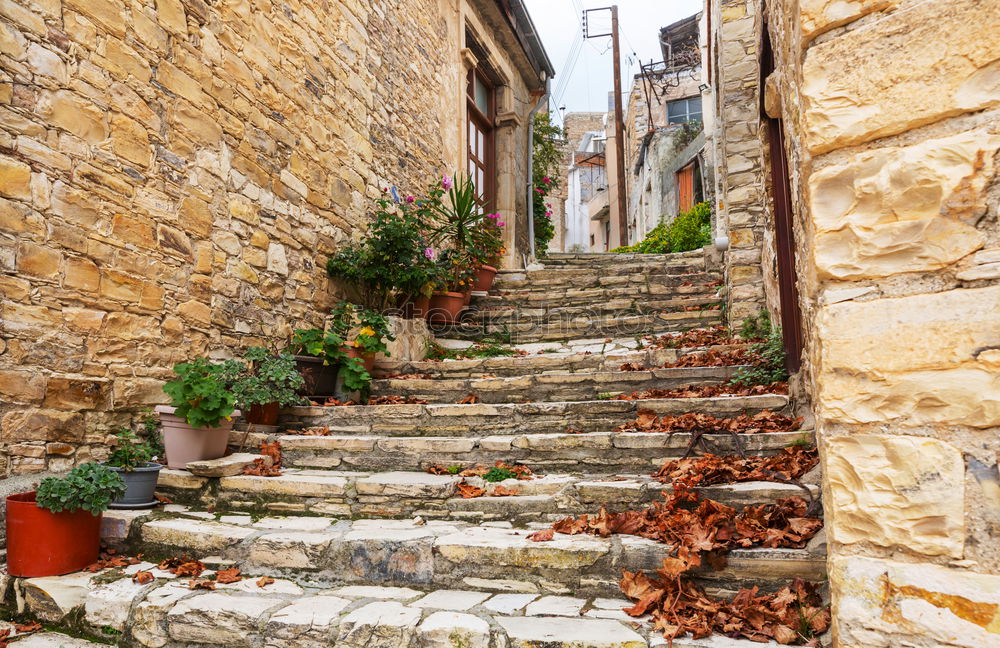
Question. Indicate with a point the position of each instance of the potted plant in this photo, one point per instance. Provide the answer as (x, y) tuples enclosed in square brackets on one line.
[(394, 263), (367, 332), (268, 382), (57, 529), (454, 288), (197, 423), (488, 249), (318, 356), (132, 459)]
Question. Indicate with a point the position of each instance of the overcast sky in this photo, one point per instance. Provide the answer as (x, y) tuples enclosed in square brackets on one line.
[(590, 79)]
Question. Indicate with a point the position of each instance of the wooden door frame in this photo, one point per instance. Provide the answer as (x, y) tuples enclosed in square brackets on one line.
[(487, 124)]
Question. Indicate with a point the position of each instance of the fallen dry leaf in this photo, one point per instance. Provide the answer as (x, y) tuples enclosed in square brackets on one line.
[(706, 391), (163, 499), (501, 491), (142, 577), (272, 450), (786, 466), (471, 399), (226, 576), (545, 535), (468, 491), (201, 584), (27, 628), (259, 468), (264, 581), (765, 421)]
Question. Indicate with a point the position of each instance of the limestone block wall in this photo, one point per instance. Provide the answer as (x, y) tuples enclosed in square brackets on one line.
[(892, 112), (741, 198), (175, 173)]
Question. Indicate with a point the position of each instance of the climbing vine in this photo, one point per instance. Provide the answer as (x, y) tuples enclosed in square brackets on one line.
[(544, 178)]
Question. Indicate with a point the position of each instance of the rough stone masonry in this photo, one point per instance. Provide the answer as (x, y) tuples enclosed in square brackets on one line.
[(175, 173), (892, 113)]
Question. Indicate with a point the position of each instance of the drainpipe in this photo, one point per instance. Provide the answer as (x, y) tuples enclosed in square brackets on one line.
[(531, 167)]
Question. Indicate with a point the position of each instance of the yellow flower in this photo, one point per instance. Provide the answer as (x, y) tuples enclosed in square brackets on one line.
[(369, 331)]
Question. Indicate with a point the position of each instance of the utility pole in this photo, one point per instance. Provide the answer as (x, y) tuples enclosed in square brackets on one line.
[(619, 117)]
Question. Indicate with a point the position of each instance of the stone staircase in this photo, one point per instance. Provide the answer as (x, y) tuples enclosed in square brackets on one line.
[(581, 296), (367, 548)]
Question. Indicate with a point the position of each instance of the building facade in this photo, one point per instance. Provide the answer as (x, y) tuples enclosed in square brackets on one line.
[(174, 175)]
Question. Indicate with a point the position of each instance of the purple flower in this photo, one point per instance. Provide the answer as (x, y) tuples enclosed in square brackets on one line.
[(500, 223), (446, 182), (429, 253), (410, 199)]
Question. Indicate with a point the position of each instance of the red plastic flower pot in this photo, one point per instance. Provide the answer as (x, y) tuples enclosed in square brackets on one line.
[(485, 275), (446, 307), (42, 543)]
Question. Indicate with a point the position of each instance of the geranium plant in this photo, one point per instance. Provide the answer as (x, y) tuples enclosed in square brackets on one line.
[(131, 451), (89, 487), (331, 347), (266, 378), (371, 329)]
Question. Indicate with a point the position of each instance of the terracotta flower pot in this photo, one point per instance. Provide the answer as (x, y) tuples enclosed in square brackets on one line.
[(42, 543), (185, 443), (367, 358), (416, 308), (445, 308), (320, 379), (485, 275), (266, 414), (467, 297)]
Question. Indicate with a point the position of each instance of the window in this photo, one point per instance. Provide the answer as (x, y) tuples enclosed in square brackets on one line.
[(684, 110), (481, 100)]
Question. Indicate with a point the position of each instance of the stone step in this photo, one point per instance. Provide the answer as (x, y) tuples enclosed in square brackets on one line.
[(584, 386), (443, 420), (164, 613), (437, 552), (654, 281), (538, 329), (594, 453), (399, 494), (576, 356), (501, 309), (557, 259)]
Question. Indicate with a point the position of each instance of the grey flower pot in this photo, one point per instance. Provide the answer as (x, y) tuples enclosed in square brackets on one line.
[(140, 486)]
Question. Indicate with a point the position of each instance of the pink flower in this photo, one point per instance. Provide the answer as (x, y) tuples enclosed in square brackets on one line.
[(500, 223), (546, 180), (539, 191), (429, 253), (410, 199), (493, 216), (548, 213), (446, 182)]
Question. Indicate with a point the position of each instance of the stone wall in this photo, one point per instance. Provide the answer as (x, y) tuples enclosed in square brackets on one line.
[(174, 175), (891, 110), (742, 209)]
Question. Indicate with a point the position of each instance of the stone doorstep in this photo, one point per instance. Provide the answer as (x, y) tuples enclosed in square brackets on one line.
[(165, 612), (445, 553), (552, 386), (574, 328)]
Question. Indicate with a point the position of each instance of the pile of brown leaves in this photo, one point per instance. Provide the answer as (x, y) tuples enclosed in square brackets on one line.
[(765, 421), (700, 531), (259, 466), (706, 391), (110, 559), (792, 615), (703, 526), (376, 400), (471, 399), (709, 358), (789, 464), (468, 491), (711, 336)]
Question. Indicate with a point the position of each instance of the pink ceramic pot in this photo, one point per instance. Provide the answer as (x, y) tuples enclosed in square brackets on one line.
[(185, 443)]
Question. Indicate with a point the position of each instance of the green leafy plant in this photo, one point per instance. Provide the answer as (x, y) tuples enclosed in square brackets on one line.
[(756, 327), (202, 392), (691, 230), (395, 258), (371, 328), (131, 451), (266, 378), (456, 221), (150, 424), (486, 348), (769, 366), (498, 474), (89, 487), (318, 344)]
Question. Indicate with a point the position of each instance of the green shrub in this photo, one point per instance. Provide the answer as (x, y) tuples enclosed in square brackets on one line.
[(203, 392), (756, 327), (691, 230), (499, 474), (769, 366), (90, 487), (130, 451)]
